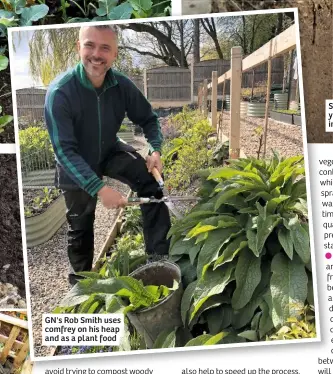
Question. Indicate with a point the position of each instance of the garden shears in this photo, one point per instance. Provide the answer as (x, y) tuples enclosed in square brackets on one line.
[(167, 199)]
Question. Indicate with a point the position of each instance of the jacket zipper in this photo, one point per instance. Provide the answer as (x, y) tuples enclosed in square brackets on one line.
[(99, 127)]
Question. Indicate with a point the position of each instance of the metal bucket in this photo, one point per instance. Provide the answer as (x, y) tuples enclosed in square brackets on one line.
[(150, 322), (281, 101)]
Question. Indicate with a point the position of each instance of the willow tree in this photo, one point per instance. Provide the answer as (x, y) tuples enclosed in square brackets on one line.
[(52, 52)]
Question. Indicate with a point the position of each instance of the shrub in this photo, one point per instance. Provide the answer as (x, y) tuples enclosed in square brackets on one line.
[(244, 250), (36, 149), (184, 155)]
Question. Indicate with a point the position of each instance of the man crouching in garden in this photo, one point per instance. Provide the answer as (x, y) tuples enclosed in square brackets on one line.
[(84, 110)]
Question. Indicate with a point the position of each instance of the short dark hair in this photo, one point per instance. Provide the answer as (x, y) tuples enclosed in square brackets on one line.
[(113, 28)]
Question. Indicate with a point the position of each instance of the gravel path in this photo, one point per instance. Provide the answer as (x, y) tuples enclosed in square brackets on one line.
[(284, 138), (48, 264)]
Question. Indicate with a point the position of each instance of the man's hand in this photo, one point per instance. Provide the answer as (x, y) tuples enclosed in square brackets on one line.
[(111, 199), (154, 160)]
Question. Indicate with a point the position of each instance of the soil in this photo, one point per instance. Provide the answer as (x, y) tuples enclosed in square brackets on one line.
[(7, 136), (30, 194), (10, 229)]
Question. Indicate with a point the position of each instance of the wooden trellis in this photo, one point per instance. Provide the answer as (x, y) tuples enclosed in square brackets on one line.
[(13, 348), (281, 44)]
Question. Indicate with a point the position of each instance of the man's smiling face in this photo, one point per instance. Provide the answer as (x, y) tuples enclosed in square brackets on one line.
[(98, 49)]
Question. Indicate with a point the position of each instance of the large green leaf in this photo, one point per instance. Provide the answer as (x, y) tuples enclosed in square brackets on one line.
[(265, 323), (248, 275), (265, 225), (249, 335), (243, 316), (186, 300), (33, 14), (166, 339), (231, 250), (300, 238), (288, 288), (218, 318), (105, 7), (286, 241), (182, 247), (210, 250), (3, 63), (141, 4), (213, 283), (122, 11), (17, 5), (228, 172), (206, 339), (213, 302)]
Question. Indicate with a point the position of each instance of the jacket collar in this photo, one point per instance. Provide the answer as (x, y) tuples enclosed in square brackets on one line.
[(109, 81)]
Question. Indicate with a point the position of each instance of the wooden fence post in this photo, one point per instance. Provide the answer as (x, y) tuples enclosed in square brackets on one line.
[(192, 82), (205, 98), (145, 83), (200, 96), (268, 93), (235, 95), (219, 134), (214, 99)]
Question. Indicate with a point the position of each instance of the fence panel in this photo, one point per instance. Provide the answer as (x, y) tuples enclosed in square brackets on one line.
[(169, 84)]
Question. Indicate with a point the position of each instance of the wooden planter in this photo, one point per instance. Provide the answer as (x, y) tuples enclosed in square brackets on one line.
[(41, 228), (282, 117), (126, 136), (13, 348)]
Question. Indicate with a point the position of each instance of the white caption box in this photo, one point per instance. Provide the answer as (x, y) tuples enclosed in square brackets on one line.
[(329, 116), (82, 329)]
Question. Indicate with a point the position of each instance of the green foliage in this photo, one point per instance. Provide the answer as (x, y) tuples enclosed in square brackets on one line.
[(301, 326), (36, 148), (220, 153), (25, 13), (4, 120), (185, 155), (121, 294), (124, 128), (41, 201), (132, 220), (245, 248)]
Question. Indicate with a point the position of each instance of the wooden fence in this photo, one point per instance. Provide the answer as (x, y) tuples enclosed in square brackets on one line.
[(275, 48), (162, 86), (16, 349)]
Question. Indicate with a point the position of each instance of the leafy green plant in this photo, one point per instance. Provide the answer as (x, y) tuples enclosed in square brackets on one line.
[(300, 327), (113, 295), (25, 13), (4, 120), (124, 128), (244, 250), (41, 201), (184, 155), (36, 149), (132, 220), (220, 153)]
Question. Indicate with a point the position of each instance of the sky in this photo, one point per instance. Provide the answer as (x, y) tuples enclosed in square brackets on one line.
[(19, 65)]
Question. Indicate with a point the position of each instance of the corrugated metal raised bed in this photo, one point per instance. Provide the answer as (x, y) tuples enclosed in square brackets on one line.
[(126, 136), (42, 227)]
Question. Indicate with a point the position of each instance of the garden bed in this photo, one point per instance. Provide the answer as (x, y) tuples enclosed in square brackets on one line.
[(287, 139), (48, 263)]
